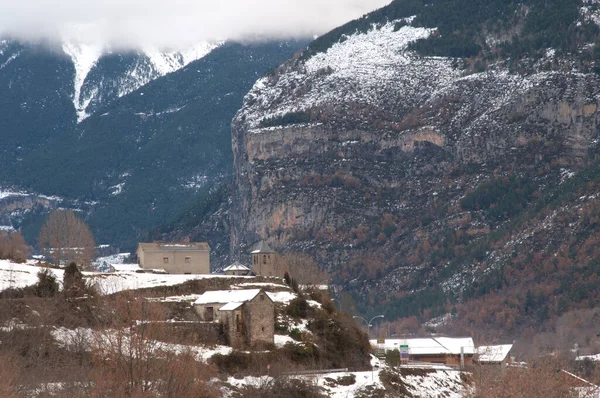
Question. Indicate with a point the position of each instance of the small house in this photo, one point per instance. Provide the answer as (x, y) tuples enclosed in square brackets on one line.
[(175, 258), (442, 350), (493, 355), (237, 269), (247, 316)]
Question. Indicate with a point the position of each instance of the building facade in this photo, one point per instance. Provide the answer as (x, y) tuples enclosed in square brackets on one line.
[(247, 316), (175, 258), (267, 262), (442, 350)]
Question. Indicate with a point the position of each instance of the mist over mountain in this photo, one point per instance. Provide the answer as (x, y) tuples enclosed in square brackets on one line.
[(174, 25), (130, 139)]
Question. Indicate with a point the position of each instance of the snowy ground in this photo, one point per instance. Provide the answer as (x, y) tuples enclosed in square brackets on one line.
[(88, 339), (440, 382), (13, 275), (103, 263)]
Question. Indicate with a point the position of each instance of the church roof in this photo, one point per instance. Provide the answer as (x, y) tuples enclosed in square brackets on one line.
[(262, 247)]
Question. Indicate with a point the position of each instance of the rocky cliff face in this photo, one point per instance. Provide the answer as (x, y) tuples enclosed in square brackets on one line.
[(363, 155)]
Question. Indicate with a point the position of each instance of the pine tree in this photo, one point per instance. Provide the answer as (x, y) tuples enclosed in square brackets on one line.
[(73, 283)]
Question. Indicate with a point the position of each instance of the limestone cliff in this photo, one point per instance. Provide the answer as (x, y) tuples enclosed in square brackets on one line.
[(363, 154)]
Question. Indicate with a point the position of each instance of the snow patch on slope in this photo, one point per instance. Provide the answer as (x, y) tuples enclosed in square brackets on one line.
[(84, 57), (590, 11), (370, 63), (9, 60), (153, 63)]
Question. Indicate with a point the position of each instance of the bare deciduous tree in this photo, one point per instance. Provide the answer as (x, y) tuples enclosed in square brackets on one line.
[(13, 246), (9, 375), (131, 361), (303, 268), (541, 378), (66, 238)]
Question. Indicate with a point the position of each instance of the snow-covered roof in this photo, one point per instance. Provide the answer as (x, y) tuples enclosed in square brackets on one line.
[(493, 353), (226, 296), (431, 345), (231, 306), (236, 267), (156, 246), (126, 267), (262, 247), (595, 357)]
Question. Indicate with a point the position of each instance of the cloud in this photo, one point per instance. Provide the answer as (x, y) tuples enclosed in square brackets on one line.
[(175, 23)]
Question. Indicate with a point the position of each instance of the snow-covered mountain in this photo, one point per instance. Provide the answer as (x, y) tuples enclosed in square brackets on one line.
[(138, 136), (93, 87)]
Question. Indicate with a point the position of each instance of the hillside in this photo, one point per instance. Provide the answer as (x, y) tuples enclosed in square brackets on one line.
[(140, 146), (434, 156)]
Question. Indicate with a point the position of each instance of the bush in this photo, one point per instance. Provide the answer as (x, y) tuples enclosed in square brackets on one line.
[(287, 119), (347, 380), (283, 388), (298, 308), (13, 247), (73, 283), (296, 334), (342, 343), (47, 286)]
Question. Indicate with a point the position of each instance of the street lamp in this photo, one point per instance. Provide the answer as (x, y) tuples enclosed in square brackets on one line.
[(368, 323)]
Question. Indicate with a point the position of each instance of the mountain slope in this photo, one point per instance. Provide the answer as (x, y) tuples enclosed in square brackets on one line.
[(147, 156), (47, 89), (408, 149)]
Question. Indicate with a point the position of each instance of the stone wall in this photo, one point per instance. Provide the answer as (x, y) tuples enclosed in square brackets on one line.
[(189, 332), (259, 320)]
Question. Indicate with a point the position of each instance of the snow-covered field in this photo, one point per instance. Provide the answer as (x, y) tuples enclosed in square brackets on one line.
[(13, 275), (439, 382), (88, 339)]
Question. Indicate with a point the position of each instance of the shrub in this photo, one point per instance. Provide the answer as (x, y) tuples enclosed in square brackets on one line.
[(347, 380), (287, 119), (283, 388), (298, 308), (73, 283), (47, 286), (296, 334)]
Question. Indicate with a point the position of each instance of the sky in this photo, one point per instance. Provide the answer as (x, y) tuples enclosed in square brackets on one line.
[(175, 23)]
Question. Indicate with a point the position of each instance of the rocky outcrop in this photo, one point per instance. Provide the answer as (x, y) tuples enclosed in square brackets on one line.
[(360, 155)]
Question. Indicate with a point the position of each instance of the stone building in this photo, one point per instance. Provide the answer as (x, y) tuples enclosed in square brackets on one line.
[(267, 262), (247, 316), (237, 269), (175, 258)]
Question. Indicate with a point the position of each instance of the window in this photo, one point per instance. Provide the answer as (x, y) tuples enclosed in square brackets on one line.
[(262, 328), (165, 260), (238, 324), (188, 260), (209, 314), (264, 259), (262, 298)]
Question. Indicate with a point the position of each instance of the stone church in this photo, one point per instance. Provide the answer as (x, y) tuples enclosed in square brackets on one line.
[(267, 262)]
